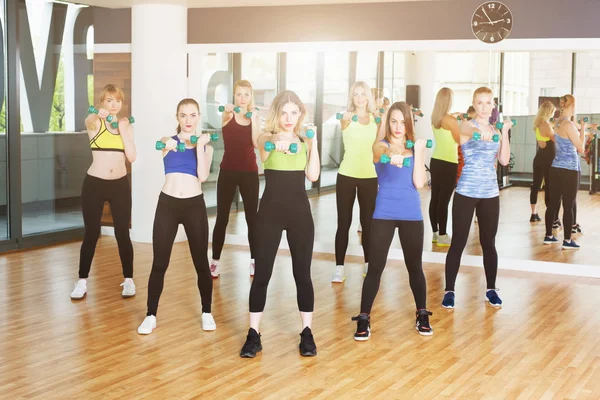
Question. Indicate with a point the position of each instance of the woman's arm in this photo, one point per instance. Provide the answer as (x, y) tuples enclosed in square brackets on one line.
[(205, 155), (313, 165), (450, 123), (504, 152), (577, 138), (381, 128), (126, 132), (419, 171), (262, 139), (256, 129)]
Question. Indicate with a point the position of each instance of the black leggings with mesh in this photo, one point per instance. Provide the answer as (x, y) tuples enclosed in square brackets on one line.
[(488, 214), (411, 240), (191, 213), (94, 193)]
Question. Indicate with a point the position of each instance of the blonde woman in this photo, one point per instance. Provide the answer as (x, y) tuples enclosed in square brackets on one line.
[(444, 165), (356, 175), (289, 159), (544, 134)]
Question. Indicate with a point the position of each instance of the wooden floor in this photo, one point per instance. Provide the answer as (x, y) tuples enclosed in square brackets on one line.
[(543, 344)]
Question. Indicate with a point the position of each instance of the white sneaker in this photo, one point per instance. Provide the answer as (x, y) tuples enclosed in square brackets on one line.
[(252, 267), (148, 325), (79, 290), (366, 269), (128, 288), (444, 240), (208, 322), (435, 237), (214, 269), (338, 274)]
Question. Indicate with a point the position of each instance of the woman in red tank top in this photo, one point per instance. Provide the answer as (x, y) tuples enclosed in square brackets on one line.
[(241, 128)]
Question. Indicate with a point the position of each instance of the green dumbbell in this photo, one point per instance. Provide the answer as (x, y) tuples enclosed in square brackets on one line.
[(500, 124), (476, 136), (310, 133), (377, 120), (385, 159), (382, 110), (237, 109), (414, 110), (410, 144), (270, 146), (249, 114), (115, 124), (92, 110), (463, 117), (340, 116), (586, 119), (406, 162), (496, 138), (213, 138), (161, 146)]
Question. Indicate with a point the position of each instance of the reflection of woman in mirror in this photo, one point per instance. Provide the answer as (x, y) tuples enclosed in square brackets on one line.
[(565, 172), (181, 201), (106, 181), (477, 192), (544, 134), (356, 175), (444, 164), (241, 128), (288, 160), (398, 207)]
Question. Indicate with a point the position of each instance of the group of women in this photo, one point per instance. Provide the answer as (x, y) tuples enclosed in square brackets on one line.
[(383, 165)]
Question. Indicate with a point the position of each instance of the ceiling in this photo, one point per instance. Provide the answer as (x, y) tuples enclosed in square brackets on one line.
[(228, 3)]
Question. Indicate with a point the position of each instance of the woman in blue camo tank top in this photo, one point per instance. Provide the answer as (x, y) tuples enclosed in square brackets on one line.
[(564, 172), (482, 146)]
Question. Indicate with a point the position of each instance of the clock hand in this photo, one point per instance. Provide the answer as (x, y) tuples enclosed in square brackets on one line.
[(487, 16), (500, 20)]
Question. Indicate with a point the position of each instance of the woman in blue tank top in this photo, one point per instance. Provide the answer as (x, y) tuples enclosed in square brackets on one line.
[(181, 201), (400, 172), (477, 192), (565, 172)]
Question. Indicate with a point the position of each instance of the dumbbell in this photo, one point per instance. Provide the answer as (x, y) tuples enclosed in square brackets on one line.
[(270, 146), (385, 159), (500, 124), (161, 146), (414, 110), (340, 116), (382, 110), (410, 144), (236, 109), (115, 124), (477, 136), (586, 119), (310, 133), (213, 137), (464, 116), (249, 114)]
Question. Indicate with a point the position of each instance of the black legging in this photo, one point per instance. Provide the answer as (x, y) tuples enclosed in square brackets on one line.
[(191, 213), (443, 181), (346, 190), (226, 184), (565, 183), (290, 211), (488, 213), (541, 171), (411, 240), (94, 193)]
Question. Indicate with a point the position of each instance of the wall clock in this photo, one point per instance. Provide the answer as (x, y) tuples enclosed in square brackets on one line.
[(492, 22)]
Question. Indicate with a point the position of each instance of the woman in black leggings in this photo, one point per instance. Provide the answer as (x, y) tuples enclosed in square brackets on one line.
[(241, 128), (544, 134), (288, 160), (400, 172), (477, 191), (181, 202), (106, 181)]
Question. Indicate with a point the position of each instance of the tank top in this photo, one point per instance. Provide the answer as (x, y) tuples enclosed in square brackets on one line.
[(539, 136), (358, 149), (397, 198), (478, 178), (446, 149), (106, 141), (239, 151), (185, 162), (287, 162), (566, 155)]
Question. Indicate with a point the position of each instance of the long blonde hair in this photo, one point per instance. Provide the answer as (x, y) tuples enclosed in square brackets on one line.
[(443, 102), (545, 112), (246, 84), (287, 96), (370, 100)]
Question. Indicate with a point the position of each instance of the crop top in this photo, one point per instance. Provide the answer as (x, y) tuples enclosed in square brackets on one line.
[(106, 141)]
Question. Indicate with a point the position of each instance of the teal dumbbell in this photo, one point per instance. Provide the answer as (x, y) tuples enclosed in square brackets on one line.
[(382, 110), (237, 109), (161, 146), (249, 114), (463, 117), (377, 120), (270, 146), (340, 116), (496, 138), (500, 124), (310, 134), (476, 136), (410, 144), (213, 138), (385, 159), (92, 110), (586, 119), (115, 124), (414, 110)]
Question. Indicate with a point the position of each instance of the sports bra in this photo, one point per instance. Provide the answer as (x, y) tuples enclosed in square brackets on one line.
[(106, 141), (539, 136), (185, 162)]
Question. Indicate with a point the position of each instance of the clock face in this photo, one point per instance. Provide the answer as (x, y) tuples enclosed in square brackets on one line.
[(492, 22)]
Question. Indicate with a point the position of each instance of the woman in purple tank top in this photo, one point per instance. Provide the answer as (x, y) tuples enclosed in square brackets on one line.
[(399, 162), (241, 128)]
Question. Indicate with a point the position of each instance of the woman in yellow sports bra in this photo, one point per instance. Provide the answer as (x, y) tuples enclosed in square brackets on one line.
[(544, 134), (106, 181)]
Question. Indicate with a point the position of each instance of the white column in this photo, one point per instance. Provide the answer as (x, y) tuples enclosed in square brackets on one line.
[(420, 70), (158, 83)]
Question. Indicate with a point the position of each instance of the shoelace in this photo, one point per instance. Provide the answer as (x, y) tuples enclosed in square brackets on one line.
[(423, 318)]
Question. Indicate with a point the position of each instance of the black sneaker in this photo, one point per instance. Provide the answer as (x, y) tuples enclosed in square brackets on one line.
[(535, 218), (252, 345), (422, 323), (556, 224), (363, 327), (307, 346), (576, 229)]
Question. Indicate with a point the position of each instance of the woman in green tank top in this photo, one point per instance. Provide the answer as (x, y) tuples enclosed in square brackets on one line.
[(356, 175)]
